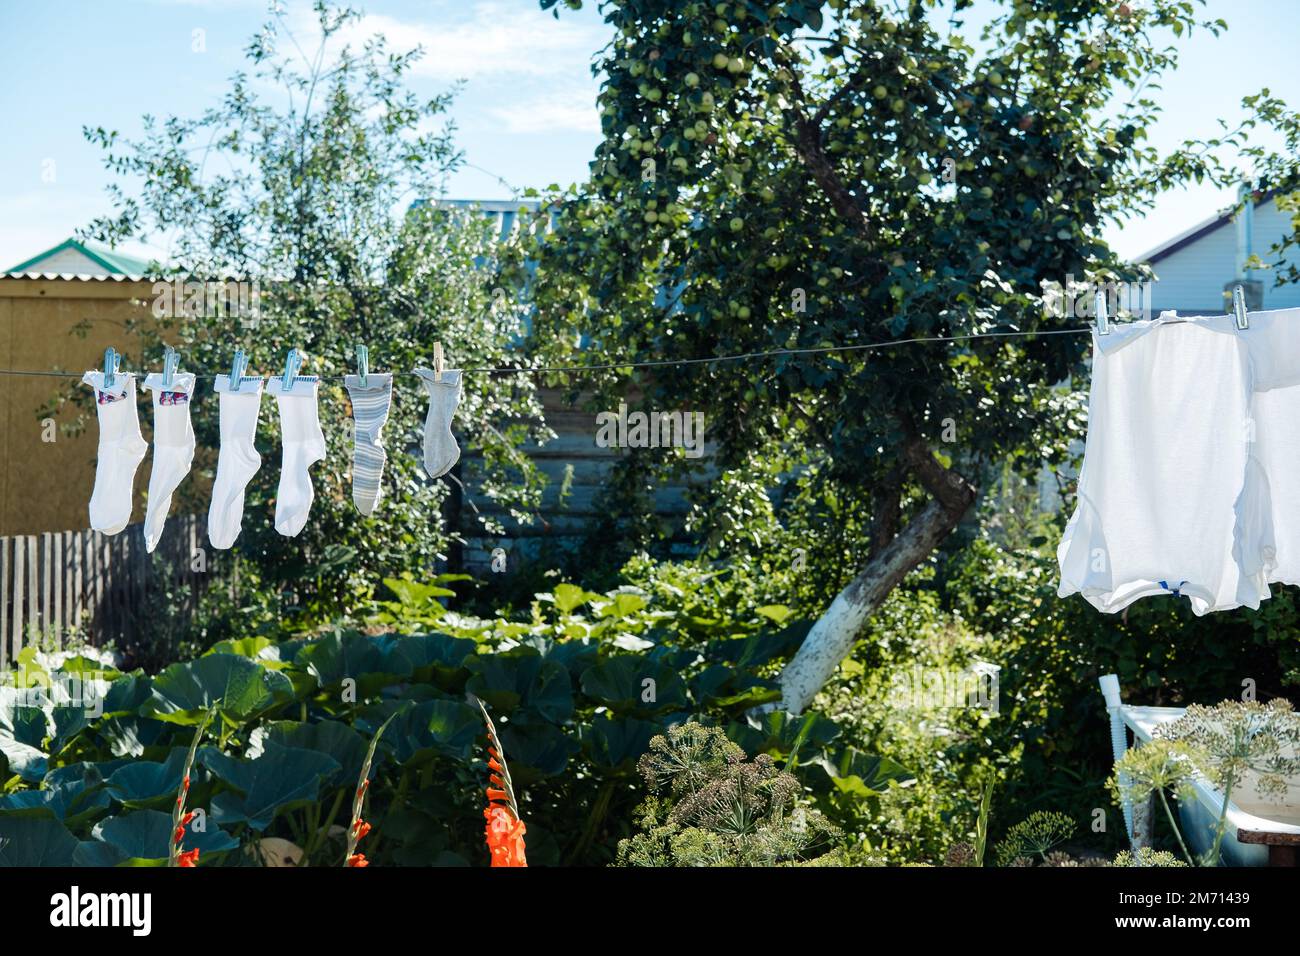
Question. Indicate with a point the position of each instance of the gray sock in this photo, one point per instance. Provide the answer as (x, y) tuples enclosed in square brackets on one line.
[(370, 403), (440, 449)]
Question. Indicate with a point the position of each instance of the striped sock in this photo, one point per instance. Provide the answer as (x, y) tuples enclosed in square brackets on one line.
[(370, 403)]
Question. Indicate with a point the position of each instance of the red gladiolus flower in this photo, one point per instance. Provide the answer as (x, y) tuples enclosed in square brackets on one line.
[(186, 782), (179, 835), (185, 820), (505, 836), (362, 828), (358, 859), (189, 858)]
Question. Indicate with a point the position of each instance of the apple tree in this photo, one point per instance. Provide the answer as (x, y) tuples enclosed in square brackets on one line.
[(799, 175)]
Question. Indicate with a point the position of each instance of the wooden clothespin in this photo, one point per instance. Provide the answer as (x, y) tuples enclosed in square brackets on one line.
[(292, 363), (1239, 308), (437, 361), (237, 366), (1099, 312), (170, 361), (111, 362), (363, 365)]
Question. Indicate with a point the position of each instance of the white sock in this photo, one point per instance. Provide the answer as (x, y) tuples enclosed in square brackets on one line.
[(440, 449), (121, 449), (173, 448), (238, 460), (304, 445)]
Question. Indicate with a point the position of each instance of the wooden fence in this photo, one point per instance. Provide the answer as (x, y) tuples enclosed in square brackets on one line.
[(62, 584)]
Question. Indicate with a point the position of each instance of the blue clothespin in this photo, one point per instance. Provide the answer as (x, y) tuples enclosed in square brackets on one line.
[(1239, 308), (170, 361), (237, 366), (111, 361), (363, 365), (292, 362), (1099, 310)]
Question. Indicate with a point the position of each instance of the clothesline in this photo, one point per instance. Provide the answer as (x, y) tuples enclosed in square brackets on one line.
[(662, 363)]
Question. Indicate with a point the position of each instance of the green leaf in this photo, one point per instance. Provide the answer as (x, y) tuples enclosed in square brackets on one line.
[(143, 838), (569, 597), (43, 841), (621, 605), (860, 774), (337, 657), (625, 682), (72, 800), (331, 737), (148, 784), (242, 689), (21, 759), (281, 778), (777, 613), (614, 742), (521, 678), (536, 751), (776, 732)]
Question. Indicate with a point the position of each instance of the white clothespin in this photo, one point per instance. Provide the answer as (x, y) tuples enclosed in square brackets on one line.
[(437, 361)]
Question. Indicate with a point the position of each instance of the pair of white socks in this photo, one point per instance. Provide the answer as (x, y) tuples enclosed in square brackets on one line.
[(238, 461), (122, 448)]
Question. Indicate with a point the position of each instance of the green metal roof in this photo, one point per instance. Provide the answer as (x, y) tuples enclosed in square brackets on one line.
[(116, 263)]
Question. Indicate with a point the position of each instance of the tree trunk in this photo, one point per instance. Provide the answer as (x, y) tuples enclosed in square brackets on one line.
[(832, 637)]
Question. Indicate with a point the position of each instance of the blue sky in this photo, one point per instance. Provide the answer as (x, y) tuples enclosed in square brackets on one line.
[(526, 115)]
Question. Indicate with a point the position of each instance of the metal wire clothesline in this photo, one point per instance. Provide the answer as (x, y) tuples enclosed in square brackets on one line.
[(662, 363)]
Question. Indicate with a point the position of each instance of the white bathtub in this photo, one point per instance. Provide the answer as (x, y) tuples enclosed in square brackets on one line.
[(1254, 823)]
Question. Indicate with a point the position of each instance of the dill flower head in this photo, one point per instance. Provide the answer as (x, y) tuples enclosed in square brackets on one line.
[(1233, 738)]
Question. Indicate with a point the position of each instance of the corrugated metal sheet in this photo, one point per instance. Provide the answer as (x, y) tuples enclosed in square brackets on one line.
[(76, 277)]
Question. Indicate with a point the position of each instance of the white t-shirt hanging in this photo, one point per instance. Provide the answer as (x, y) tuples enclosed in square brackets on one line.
[(1273, 343), (1167, 502)]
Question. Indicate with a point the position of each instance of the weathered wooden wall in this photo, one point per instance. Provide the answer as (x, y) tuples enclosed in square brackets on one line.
[(44, 485)]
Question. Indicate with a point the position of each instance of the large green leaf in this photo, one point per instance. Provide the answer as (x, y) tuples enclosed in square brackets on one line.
[(859, 774), (21, 759), (130, 736), (536, 750), (148, 784), (569, 597), (281, 778), (424, 657), (750, 652), (22, 718), (342, 656), (331, 737), (776, 732), (143, 838), (431, 728), (521, 678), (72, 800), (184, 693), (127, 695), (614, 742), (625, 682), (41, 841)]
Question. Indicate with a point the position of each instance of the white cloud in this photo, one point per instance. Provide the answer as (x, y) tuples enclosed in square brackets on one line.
[(485, 39), (573, 110)]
